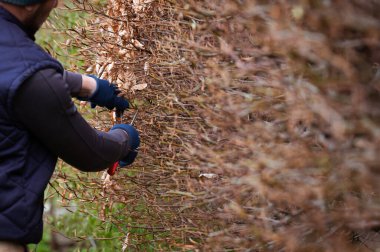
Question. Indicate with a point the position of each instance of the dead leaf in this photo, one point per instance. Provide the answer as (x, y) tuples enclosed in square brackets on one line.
[(125, 243), (208, 175), (139, 87)]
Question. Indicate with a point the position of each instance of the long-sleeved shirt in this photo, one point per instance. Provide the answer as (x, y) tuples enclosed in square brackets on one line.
[(44, 106)]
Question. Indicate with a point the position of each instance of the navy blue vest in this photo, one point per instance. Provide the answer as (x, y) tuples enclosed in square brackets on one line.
[(25, 165)]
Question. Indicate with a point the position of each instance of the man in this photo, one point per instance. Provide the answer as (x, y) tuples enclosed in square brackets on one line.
[(39, 122)]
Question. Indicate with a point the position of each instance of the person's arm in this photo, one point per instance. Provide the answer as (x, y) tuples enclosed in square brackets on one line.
[(98, 91), (79, 85), (44, 107)]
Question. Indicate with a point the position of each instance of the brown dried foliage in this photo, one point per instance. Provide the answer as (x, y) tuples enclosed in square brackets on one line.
[(279, 99)]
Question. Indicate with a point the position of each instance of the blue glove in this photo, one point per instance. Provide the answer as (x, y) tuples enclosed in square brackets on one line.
[(105, 95), (133, 143)]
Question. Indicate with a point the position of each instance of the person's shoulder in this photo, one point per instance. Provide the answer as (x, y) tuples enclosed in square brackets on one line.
[(46, 75)]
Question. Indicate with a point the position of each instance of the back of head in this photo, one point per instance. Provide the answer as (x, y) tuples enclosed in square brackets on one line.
[(22, 2)]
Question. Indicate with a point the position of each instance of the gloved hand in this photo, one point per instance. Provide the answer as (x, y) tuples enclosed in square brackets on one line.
[(133, 143), (105, 95)]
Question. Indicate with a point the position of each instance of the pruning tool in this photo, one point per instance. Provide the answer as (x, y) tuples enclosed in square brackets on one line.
[(118, 115)]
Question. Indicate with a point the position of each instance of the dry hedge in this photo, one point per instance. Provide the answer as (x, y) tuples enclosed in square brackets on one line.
[(259, 122)]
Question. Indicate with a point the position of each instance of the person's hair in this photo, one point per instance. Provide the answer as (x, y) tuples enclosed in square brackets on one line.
[(23, 2)]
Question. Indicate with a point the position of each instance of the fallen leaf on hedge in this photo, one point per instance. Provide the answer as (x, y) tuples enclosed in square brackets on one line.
[(138, 44), (139, 87), (208, 175)]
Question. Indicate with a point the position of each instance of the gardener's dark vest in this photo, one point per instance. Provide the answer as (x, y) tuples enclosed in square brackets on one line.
[(25, 165)]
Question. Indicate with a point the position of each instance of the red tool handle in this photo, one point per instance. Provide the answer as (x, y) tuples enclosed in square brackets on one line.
[(118, 118), (112, 169)]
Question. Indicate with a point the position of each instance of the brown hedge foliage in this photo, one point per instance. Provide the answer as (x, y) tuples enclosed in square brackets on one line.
[(259, 121)]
